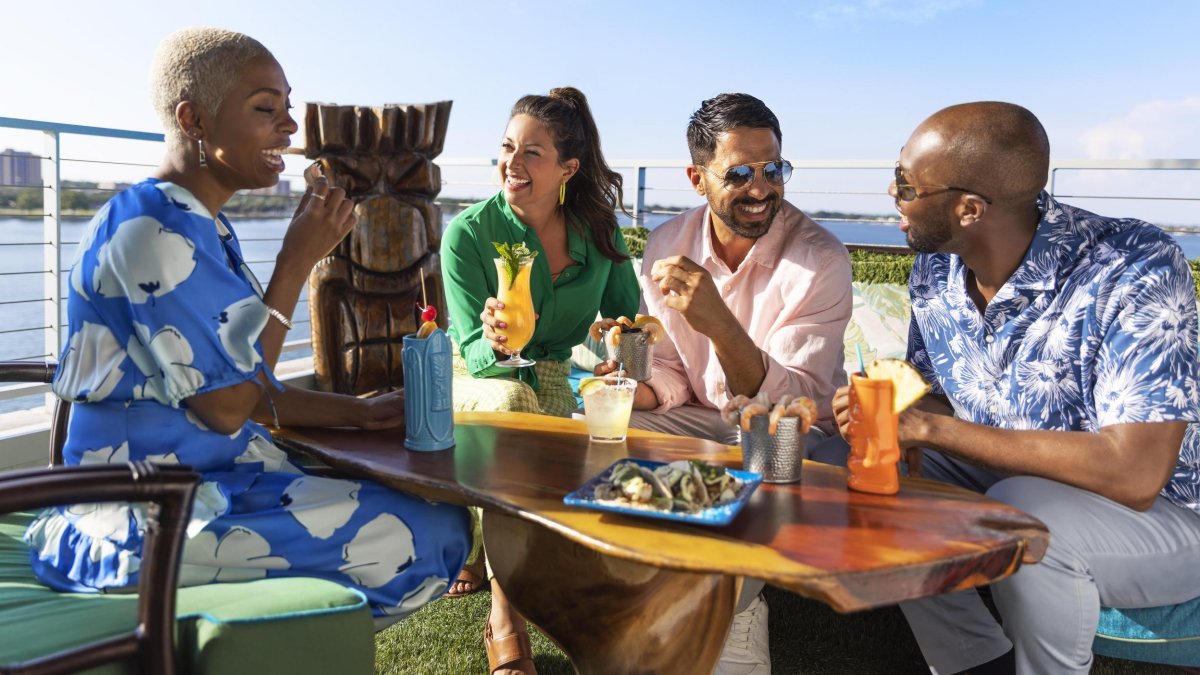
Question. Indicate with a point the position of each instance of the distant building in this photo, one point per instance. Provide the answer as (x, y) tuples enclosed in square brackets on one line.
[(21, 169), (283, 187)]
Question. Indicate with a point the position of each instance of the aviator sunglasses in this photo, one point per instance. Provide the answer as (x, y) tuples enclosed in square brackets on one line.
[(907, 192), (775, 172)]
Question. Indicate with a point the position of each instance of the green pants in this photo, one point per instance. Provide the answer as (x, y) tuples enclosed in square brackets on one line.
[(508, 394)]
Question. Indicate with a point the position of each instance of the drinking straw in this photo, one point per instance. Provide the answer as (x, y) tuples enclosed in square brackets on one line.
[(620, 367), (862, 367), (424, 300)]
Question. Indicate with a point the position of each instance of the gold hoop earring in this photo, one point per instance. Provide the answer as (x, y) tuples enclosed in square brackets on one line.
[(562, 193)]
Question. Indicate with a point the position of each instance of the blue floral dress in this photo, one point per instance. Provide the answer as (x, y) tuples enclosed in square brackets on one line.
[(162, 308)]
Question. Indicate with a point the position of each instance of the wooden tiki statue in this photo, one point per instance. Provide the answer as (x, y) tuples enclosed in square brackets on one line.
[(363, 297)]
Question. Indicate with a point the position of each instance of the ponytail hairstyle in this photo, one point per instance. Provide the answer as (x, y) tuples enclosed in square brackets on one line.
[(594, 192)]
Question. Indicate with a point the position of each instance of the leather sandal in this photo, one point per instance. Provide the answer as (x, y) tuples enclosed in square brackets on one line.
[(511, 652), (474, 582)]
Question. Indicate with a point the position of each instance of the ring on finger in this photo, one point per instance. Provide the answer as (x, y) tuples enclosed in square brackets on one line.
[(321, 197)]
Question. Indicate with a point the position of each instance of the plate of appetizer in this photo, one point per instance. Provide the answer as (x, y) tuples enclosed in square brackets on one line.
[(688, 491)]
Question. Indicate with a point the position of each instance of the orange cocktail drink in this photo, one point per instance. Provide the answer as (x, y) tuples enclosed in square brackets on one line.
[(518, 311), (874, 442)]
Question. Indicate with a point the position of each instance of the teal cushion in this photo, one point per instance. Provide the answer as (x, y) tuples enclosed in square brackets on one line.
[(576, 376), (1169, 635), (292, 625)]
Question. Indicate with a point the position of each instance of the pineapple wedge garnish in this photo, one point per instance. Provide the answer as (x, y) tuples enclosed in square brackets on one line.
[(907, 384)]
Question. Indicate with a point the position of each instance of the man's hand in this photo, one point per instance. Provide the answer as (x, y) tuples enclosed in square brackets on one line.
[(912, 453), (689, 290), (841, 411)]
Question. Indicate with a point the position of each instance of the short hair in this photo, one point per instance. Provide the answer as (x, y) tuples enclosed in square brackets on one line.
[(199, 65), (722, 113), (999, 148)]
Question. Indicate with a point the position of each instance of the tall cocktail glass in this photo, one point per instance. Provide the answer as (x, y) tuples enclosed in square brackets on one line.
[(518, 312), (874, 440), (607, 406)]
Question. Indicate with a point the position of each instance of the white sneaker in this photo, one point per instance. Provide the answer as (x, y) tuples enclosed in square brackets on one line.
[(747, 649)]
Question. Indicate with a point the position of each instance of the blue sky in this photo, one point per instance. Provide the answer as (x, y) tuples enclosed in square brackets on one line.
[(849, 79)]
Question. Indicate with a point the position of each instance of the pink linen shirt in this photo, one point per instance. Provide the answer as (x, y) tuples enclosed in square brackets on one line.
[(792, 295)]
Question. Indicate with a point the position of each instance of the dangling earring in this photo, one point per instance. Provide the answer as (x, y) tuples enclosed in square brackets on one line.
[(203, 158), (562, 193)]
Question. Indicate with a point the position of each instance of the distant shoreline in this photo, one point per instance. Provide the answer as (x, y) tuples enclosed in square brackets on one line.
[(455, 205)]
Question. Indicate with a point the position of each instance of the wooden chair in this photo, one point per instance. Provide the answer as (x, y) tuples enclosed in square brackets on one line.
[(286, 625)]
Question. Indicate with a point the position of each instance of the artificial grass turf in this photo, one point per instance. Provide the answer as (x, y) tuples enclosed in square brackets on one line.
[(807, 638)]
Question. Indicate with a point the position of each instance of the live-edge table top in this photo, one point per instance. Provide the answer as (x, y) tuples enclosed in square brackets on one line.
[(851, 550)]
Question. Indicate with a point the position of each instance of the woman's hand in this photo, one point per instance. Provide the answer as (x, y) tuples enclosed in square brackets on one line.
[(322, 219), (491, 324), (385, 411)]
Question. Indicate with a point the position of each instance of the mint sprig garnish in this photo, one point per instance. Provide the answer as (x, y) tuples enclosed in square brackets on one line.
[(513, 256)]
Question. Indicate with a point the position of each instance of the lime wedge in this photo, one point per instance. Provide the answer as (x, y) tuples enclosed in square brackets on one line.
[(590, 384)]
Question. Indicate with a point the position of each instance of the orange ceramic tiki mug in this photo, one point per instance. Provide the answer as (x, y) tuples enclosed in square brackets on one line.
[(874, 445)]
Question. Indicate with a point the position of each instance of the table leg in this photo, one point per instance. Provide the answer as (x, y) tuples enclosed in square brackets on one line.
[(610, 615)]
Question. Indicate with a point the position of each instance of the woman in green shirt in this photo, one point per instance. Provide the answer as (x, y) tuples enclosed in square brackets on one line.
[(559, 198)]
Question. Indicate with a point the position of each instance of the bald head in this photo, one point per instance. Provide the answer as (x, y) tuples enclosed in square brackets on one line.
[(999, 149)]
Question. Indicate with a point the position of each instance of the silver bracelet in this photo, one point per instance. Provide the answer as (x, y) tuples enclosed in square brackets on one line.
[(287, 323)]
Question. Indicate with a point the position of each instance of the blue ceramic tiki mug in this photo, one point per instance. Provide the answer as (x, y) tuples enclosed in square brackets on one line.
[(428, 407)]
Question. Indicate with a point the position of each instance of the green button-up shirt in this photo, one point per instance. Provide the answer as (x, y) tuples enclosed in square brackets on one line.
[(566, 306)]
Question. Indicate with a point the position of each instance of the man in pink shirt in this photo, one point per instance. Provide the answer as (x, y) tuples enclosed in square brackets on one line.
[(754, 297)]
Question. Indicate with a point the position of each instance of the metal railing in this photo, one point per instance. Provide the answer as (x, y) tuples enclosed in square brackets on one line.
[(475, 181)]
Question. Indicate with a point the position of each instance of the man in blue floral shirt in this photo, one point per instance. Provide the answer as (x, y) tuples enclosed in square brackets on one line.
[(1063, 344)]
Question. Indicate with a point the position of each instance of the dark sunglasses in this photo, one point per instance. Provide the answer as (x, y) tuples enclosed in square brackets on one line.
[(907, 192), (775, 172)]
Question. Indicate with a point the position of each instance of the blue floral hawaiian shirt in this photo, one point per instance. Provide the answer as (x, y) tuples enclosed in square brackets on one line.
[(1096, 327)]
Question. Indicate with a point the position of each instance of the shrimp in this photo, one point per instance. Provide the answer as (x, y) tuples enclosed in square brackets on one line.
[(732, 411), (749, 412), (614, 336), (804, 408), (653, 332), (594, 331), (625, 321), (779, 411)]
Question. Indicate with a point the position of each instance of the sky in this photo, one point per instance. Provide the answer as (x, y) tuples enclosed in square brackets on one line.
[(848, 79)]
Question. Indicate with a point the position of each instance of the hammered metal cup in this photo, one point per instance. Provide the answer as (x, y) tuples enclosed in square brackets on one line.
[(778, 458), (635, 352)]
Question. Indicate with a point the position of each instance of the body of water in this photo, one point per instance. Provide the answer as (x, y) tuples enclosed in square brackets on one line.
[(22, 277)]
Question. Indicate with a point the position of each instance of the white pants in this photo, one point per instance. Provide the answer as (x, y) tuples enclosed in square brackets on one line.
[(1101, 553)]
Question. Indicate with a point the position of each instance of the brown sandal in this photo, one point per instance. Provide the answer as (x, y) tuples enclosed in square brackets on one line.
[(512, 651), (475, 582)]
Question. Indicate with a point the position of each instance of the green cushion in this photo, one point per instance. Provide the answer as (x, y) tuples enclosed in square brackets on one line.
[(1168, 634), (292, 625)]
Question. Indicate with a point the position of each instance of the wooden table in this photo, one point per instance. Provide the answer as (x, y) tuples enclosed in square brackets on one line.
[(624, 594)]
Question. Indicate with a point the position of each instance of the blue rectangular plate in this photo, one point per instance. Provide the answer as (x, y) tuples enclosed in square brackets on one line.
[(716, 515)]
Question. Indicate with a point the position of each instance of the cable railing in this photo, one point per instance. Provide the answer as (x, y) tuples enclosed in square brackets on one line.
[(38, 294)]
